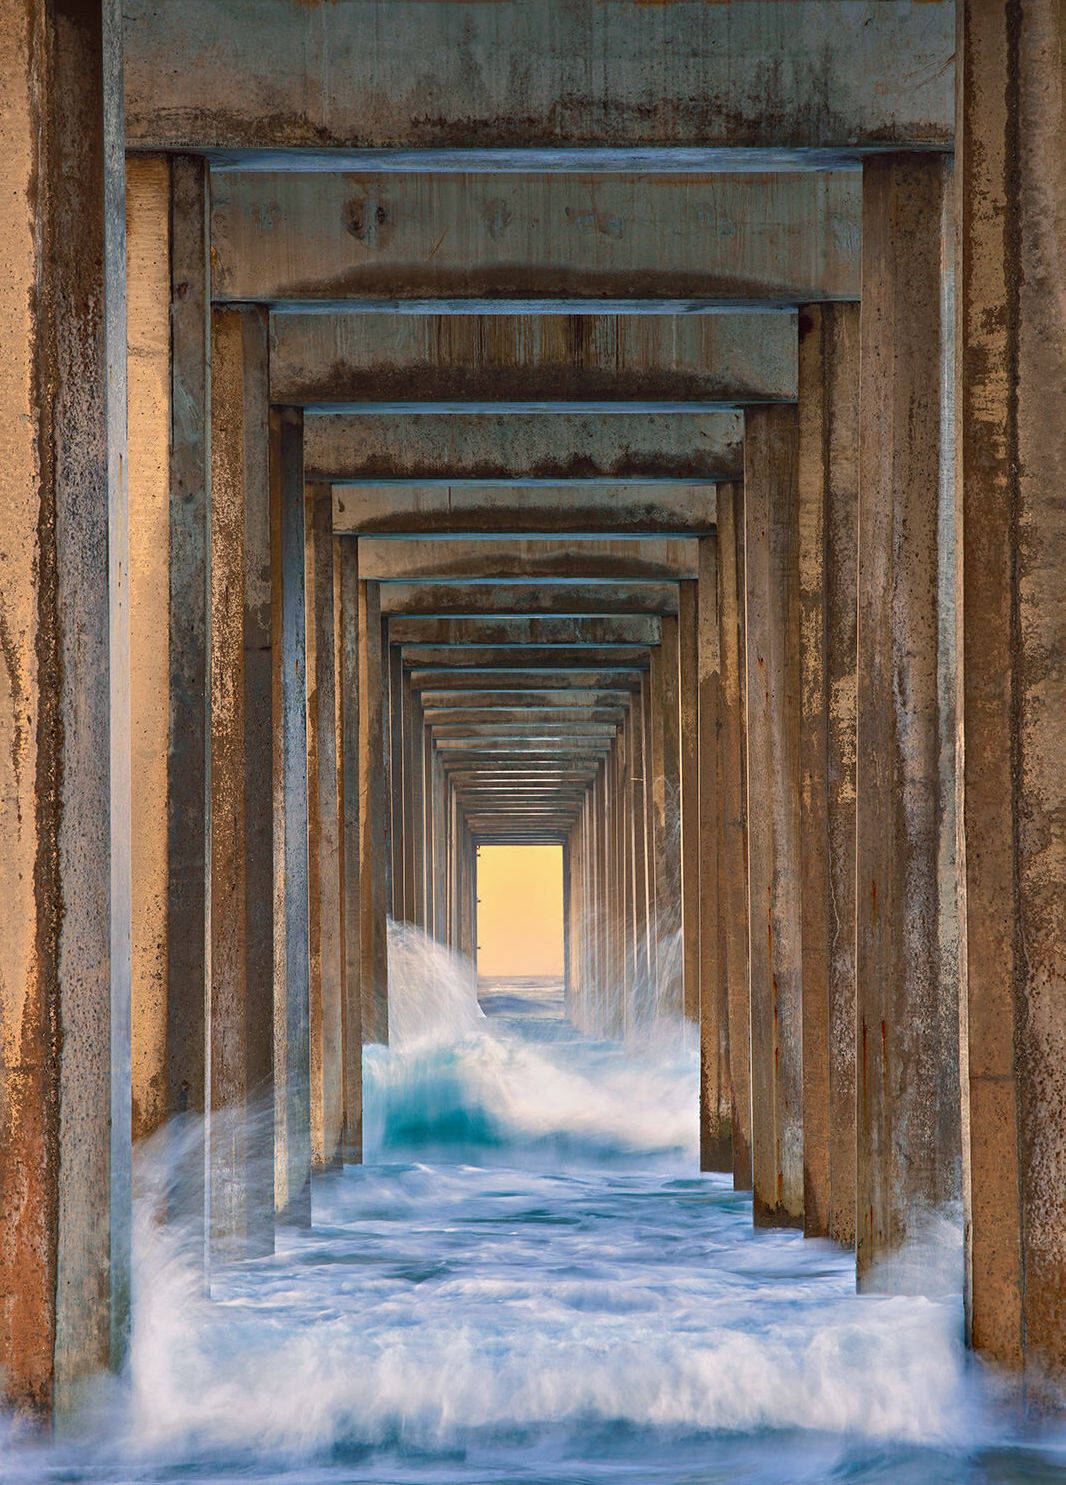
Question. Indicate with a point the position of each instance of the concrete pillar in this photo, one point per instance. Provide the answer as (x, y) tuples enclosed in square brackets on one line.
[(1013, 701), (399, 907), (148, 373), (292, 1144), (668, 870), (373, 818), (241, 916), (828, 505), (771, 562), (715, 1084), (64, 704), (327, 986), (637, 826), (347, 618), (733, 967), (187, 798), (689, 798), (907, 1148)]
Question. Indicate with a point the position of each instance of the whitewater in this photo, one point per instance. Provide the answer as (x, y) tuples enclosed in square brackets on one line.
[(530, 1282)]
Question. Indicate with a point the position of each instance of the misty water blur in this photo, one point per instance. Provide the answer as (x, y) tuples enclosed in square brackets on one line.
[(530, 1281)]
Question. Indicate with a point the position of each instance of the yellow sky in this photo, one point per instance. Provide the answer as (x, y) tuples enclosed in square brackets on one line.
[(520, 910)]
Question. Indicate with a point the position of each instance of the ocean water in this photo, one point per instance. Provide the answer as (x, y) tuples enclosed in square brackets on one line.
[(529, 1282)]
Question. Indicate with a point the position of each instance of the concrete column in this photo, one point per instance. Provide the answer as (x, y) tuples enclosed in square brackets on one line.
[(292, 1143), (771, 561), (396, 784), (148, 372), (187, 799), (373, 818), (689, 799), (733, 967), (241, 916), (327, 990), (652, 840), (347, 619), (64, 706), (715, 1083), (907, 1147), (668, 867), (636, 824), (828, 505), (1013, 699)]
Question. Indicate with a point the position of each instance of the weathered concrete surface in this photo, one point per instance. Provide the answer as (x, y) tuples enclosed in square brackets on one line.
[(327, 1039), (355, 358), (347, 617), (532, 599), (258, 800), (300, 239), (190, 538), (716, 1093), (1012, 556), (581, 507), (504, 679), (588, 559), (467, 657), (490, 629), (828, 504), (905, 1164), (227, 1011), (771, 564), (373, 817), (64, 810), (292, 1181), (148, 375), (515, 716), (689, 797), (552, 446), (821, 73), (543, 697)]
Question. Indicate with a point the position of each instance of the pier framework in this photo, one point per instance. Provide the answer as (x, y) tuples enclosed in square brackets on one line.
[(432, 423)]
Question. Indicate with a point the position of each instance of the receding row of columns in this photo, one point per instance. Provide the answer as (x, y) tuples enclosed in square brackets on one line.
[(210, 812)]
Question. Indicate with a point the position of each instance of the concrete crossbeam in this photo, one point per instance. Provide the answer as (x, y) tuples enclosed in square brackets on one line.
[(329, 360), (444, 600), (486, 629), (805, 74), (518, 680), (521, 716), (580, 507), (466, 657), (552, 697), (550, 446), (386, 240), (582, 559)]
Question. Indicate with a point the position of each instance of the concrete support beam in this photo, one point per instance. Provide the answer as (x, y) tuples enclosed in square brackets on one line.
[(489, 629), (324, 360), (1012, 557), (689, 796), (64, 707), (771, 562), (716, 1093), (733, 966), (506, 678), (325, 855), (530, 599), (148, 373), (292, 1147), (392, 73), (583, 507), (347, 618), (549, 446), (524, 657), (241, 918), (443, 559), (907, 1092), (515, 242), (828, 536), (187, 800), (373, 816)]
